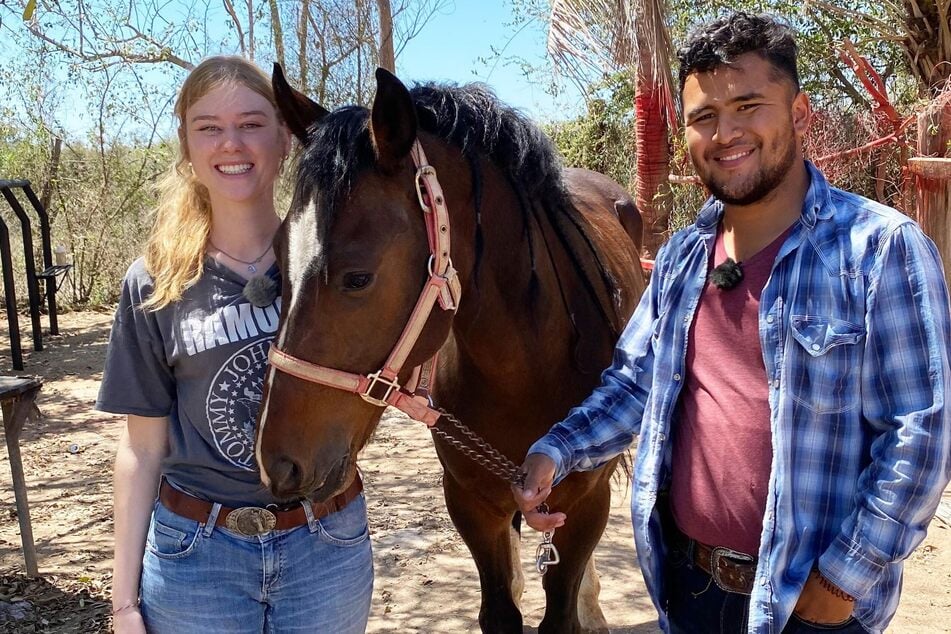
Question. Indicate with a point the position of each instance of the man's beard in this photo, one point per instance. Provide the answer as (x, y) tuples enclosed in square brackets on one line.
[(760, 184)]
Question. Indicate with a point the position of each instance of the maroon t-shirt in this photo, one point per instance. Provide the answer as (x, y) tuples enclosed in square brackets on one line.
[(722, 443)]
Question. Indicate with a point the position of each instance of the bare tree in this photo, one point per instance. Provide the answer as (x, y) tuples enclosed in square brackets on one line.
[(921, 28), (330, 53), (387, 55), (277, 32)]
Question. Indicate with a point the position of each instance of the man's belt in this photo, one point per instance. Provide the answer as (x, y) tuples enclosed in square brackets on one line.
[(731, 570), (254, 520)]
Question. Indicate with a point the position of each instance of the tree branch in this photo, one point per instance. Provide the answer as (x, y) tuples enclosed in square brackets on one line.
[(237, 24)]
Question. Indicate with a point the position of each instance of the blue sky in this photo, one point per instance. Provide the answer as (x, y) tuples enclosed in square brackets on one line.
[(457, 44), (452, 43)]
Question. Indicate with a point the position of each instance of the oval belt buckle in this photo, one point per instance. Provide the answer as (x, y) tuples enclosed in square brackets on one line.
[(251, 521)]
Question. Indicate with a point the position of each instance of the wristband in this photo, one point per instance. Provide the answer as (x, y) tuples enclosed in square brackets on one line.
[(122, 608), (833, 589)]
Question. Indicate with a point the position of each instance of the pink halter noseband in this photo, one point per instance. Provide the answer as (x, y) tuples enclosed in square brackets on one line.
[(382, 387)]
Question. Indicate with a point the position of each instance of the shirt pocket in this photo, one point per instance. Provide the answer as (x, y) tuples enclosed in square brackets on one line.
[(825, 363)]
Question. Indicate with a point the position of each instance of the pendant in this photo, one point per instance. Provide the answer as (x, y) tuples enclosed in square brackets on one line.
[(252, 268)]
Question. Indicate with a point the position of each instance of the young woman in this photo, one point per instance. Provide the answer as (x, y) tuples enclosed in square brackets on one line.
[(200, 544)]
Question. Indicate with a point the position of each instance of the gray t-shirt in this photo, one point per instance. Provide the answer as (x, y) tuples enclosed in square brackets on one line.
[(201, 362)]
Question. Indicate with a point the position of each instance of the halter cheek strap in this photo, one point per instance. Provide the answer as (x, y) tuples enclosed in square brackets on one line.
[(382, 387)]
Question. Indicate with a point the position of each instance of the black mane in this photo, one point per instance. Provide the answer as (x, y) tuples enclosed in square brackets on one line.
[(469, 117)]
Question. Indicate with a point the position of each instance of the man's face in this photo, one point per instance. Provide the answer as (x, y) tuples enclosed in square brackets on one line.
[(744, 126)]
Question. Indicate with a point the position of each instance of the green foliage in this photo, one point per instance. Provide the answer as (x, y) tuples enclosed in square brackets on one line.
[(820, 32), (603, 138), (103, 201), (99, 206)]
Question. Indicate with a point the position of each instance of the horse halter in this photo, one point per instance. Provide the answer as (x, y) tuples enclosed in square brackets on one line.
[(382, 387)]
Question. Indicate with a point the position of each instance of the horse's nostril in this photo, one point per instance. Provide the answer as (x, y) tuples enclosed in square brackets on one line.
[(285, 476)]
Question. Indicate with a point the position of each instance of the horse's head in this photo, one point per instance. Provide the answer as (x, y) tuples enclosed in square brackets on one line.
[(353, 252)]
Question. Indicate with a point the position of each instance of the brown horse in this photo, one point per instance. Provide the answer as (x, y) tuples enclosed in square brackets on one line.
[(548, 278)]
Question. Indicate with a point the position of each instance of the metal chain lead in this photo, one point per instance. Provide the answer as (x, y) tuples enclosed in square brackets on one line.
[(546, 555), (483, 453)]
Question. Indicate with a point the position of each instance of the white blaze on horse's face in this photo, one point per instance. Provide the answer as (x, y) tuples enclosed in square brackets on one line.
[(302, 249), (301, 238)]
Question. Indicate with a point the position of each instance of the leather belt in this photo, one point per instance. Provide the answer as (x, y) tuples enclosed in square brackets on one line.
[(732, 571), (254, 520)]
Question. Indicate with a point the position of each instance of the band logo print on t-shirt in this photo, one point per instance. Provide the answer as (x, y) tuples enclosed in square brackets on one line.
[(233, 401), (229, 324), (234, 395)]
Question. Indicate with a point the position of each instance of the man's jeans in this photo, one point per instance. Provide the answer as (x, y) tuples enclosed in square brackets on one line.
[(697, 605), (317, 577)]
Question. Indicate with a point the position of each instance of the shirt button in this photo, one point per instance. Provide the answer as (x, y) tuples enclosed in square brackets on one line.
[(762, 581), (769, 319), (816, 346), (775, 383), (676, 377)]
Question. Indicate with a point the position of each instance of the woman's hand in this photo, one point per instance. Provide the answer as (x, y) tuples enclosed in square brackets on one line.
[(128, 621)]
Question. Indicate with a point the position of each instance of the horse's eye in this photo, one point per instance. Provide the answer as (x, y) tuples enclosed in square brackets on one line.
[(356, 281)]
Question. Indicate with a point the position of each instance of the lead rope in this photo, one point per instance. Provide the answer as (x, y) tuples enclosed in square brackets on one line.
[(486, 455), (494, 462)]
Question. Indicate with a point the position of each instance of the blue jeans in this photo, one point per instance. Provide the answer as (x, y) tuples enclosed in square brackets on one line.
[(317, 577), (695, 603)]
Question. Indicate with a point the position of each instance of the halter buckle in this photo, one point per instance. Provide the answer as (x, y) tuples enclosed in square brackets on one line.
[(375, 380), (422, 193)]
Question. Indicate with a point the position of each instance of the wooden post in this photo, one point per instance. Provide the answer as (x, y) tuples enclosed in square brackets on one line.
[(18, 396), (932, 174)]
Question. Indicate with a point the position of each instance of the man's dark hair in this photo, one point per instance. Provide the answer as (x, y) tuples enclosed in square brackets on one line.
[(720, 42)]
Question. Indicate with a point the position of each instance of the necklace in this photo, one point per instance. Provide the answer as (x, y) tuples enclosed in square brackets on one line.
[(249, 263)]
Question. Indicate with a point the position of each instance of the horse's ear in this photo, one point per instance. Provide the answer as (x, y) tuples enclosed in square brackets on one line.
[(297, 109), (392, 120)]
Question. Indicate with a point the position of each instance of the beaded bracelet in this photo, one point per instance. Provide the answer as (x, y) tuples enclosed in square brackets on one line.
[(833, 589), (132, 604)]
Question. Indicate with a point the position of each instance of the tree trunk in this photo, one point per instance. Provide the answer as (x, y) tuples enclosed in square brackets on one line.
[(46, 195), (278, 32), (302, 25), (251, 29), (229, 7), (932, 175), (652, 162), (387, 55)]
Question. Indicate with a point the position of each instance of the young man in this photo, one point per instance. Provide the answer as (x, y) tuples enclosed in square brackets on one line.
[(786, 372)]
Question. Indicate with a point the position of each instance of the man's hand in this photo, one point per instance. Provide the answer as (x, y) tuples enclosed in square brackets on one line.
[(823, 603), (539, 472)]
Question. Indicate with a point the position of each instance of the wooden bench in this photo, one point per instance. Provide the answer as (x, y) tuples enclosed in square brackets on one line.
[(18, 395)]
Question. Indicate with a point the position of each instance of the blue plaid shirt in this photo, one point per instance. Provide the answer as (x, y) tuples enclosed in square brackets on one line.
[(854, 328)]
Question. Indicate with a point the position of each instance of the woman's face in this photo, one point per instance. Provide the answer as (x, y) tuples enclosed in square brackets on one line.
[(236, 144)]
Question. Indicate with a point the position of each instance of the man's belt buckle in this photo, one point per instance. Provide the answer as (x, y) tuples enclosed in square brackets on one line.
[(251, 521), (740, 583)]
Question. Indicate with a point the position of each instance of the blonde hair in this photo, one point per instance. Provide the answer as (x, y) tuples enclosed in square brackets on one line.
[(176, 245)]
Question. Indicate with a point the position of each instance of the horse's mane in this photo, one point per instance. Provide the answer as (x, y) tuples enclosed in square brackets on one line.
[(470, 117), (473, 119)]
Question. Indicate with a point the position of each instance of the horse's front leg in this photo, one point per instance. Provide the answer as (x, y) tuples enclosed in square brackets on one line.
[(572, 606), (487, 532)]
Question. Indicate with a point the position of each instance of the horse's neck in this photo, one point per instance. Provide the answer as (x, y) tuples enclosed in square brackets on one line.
[(525, 316)]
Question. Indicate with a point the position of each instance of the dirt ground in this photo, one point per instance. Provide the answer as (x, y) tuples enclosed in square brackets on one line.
[(425, 580)]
